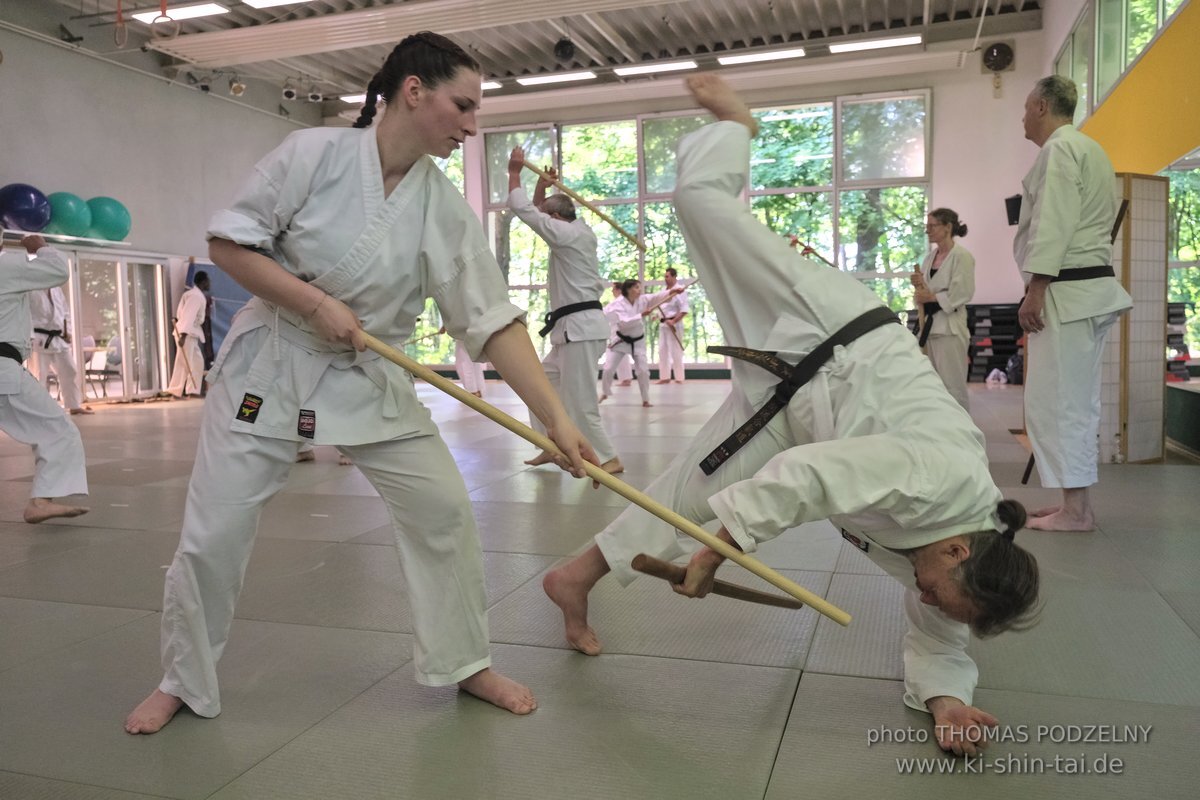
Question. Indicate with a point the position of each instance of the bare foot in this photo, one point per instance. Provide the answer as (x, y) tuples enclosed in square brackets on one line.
[(570, 595), (1062, 521), (477, 394), (544, 457), (625, 383), (153, 713), (663, 381), (1045, 512), (613, 466), (500, 691), (645, 404), (344, 461), (712, 92), (40, 509), (603, 397), (82, 410), (306, 455), (679, 381)]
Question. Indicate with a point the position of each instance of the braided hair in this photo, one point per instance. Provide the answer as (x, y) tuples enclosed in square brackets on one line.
[(429, 56), (1000, 577)]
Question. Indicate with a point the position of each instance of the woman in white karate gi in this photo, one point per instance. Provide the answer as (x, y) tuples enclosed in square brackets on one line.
[(628, 315), (339, 231), (852, 444), (27, 412), (624, 367), (51, 351), (944, 286)]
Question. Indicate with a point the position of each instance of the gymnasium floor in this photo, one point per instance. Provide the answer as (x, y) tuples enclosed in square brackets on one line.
[(712, 699)]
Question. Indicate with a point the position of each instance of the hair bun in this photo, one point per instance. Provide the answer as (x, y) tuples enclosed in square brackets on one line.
[(1012, 516)]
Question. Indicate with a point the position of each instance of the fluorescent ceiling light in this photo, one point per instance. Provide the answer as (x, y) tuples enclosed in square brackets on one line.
[(271, 3), (490, 85), (180, 13), (563, 77), (354, 98), (874, 44), (775, 55), (648, 69)]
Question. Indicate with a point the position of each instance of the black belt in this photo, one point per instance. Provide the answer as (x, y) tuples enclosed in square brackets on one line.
[(1084, 273), (49, 334), (558, 313), (791, 378), (629, 340), (8, 351), (930, 309)]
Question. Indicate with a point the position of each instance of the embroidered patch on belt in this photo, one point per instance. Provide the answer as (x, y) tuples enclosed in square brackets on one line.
[(307, 426), (854, 540), (250, 405)]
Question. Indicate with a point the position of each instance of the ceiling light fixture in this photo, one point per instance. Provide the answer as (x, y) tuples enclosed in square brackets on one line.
[(236, 87), (180, 13), (750, 58), (874, 44), (354, 99), (649, 69), (561, 77), (490, 85), (271, 3)]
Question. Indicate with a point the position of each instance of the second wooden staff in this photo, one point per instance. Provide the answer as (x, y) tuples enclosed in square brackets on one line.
[(590, 206)]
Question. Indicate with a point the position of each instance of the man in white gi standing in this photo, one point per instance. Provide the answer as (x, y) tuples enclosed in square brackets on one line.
[(576, 324), (670, 332), (27, 412), (189, 334), (843, 435), (1063, 247), (51, 350)]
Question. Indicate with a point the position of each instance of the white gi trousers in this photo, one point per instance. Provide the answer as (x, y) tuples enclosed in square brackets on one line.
[(616, 354), (189, 368), (571, 368), (469, 372), (235, 474), (670, 352), (625, 370), (42, 362), (948, 354), (1062, 397), (29, 415)]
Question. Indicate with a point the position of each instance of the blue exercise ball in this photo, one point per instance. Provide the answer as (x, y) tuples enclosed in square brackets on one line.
[(23, 207), (69, 214), (110, 219)]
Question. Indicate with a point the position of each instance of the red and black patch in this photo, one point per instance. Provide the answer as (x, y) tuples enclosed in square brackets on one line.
[(307, 424), (251, 403), (861, 544)]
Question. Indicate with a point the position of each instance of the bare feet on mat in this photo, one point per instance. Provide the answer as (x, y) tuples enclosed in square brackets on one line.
[(712, 92), (613, 466), (679, 381), (153, 713), (544, 457), (306, 455), (1045, 512), (344, 461), (82, 410), (665, 381), (1062, 521), (499, 691), (625, 383), (40, 509), (603, 397), (645, 404), (571, 596)]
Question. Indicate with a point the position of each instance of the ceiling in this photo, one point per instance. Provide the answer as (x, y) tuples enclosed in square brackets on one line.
[(337, 45)]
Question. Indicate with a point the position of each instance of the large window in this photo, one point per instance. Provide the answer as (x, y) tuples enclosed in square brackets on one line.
[(847, 177), (1183, 245), (1115, 32)]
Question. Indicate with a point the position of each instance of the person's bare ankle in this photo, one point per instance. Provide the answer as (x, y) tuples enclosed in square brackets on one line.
[(153, 713), (500, 691)]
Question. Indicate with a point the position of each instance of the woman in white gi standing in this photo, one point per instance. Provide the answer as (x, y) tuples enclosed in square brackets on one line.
[(945, 284), (628, 316), (339, 231), (850, 443)]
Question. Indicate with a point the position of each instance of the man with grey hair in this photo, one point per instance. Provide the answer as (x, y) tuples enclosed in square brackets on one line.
[(1063, 247), (576, 324)]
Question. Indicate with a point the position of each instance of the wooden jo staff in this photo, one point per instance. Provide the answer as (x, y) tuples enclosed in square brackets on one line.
[(574, 196), (620, 487)]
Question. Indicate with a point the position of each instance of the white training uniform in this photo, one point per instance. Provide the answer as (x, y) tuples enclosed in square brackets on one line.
[(626, 319), (1068, 206), (470, 372), (624, 366), (670, 339), (189, 334), (50, 353), (27, 412), (854, 445), (954, 286), (578, 339), (317, 205)]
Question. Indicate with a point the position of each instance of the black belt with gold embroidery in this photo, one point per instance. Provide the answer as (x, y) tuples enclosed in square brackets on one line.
[(564, 311), (791, 379)]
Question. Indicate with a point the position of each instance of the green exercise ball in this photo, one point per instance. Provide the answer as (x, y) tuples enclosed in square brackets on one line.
[(110, 219), (69, 214)]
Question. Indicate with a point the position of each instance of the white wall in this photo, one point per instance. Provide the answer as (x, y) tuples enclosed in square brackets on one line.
[(172, 155)]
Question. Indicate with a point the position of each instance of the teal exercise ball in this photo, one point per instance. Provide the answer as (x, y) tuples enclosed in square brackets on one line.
[(110, 219), (69, 214)]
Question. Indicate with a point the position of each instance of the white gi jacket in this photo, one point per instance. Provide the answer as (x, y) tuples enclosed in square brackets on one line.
[(866, 456), (18, 277), (1068, 206), (626, 317), (316, 205), (189, 314), (48, 310), (574, 273), (675, 305), (954, 286)]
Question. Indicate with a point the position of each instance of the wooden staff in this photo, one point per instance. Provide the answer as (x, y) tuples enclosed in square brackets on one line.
[(636, 241), (620, 487), (674, 573), (422, 338), (808, 250)]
